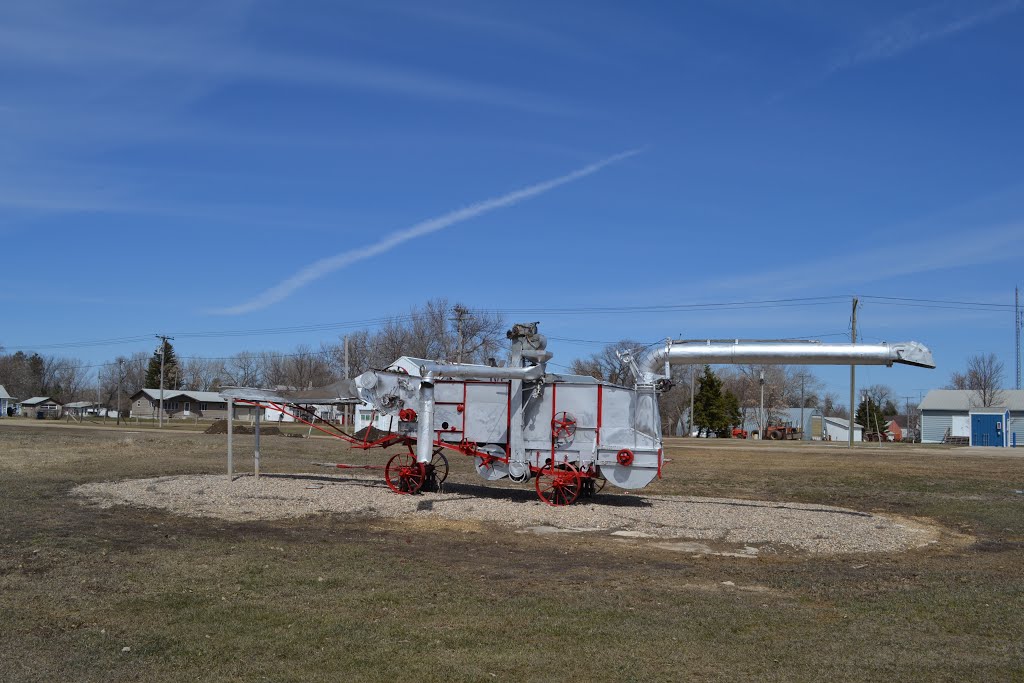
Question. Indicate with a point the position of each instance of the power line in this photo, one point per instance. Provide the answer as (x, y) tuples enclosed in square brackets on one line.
[(581, 310)]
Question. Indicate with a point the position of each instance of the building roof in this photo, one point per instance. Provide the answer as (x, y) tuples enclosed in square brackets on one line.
[(81, 404), (966, 400), (200, 396), (36, 400), (4, 394), (843, 422)]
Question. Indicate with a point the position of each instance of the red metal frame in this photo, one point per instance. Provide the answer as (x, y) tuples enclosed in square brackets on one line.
[(565, 470)]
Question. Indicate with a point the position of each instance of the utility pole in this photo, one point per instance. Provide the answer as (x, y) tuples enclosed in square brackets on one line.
[(347, 408), (1018, 323), (163, 353), (853, 369), (460, 313), (906, 403), (120, 378)]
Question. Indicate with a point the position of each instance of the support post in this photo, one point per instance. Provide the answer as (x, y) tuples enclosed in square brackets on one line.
[(256, 450), (853, 372), (693, 376), (425, 426), (231, 439), (761, 420)]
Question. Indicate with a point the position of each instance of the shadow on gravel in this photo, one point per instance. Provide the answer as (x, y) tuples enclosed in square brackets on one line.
[(461, 491)]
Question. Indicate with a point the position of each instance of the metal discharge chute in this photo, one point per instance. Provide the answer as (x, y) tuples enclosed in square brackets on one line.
[(570, 434)]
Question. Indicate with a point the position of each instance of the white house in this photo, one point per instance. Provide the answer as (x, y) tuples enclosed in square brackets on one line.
[(6, 402)]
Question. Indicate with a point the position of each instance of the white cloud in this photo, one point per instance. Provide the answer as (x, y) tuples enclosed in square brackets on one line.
[(919, 28), (323, 267)]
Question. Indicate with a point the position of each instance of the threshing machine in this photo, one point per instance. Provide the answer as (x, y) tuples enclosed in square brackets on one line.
[(570, 434)]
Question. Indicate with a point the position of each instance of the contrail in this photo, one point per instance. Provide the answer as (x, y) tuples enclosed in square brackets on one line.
[(318, 269)]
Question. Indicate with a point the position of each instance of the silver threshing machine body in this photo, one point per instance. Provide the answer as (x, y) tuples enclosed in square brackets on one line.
[(524, 423)]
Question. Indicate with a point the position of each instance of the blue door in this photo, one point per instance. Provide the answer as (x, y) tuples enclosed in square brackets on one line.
[(987, 430)]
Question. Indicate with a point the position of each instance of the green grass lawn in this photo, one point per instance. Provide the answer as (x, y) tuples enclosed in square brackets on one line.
[(347, 599)]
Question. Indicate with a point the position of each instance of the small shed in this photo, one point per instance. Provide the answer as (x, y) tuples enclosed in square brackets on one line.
[(838, 429), (6, 403), (40, 407)]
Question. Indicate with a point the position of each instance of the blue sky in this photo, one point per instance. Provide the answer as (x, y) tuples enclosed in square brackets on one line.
[(164, 164)]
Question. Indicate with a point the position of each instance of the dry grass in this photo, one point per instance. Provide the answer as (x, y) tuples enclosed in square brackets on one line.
[(331, 598)]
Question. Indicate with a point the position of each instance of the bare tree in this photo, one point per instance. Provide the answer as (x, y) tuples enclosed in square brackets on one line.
[(200, 374), (68, 379), (984, 377), (605, 364), (135, 367), (241, 370)]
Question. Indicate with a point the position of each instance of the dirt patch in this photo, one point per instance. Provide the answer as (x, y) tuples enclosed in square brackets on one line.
[(731, 525), (371, 434)]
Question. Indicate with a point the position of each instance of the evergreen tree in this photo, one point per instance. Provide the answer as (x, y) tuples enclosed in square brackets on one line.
[(172, 372), (731, 410), (870, 417)]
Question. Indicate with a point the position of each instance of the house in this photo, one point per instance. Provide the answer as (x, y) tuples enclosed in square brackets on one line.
[(331, 403), (894, 430), (6, 403), (40, 407), (145, 404), (79, 409), (956, 416)]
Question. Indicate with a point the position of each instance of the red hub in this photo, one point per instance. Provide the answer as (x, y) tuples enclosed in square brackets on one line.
[(403, 474), (624, 457), (559, 485), (563, 425)]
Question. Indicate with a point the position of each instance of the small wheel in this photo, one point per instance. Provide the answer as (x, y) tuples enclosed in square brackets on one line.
[(403, 474), (440, 465), (560, 485), (599, 483), (563, 425), (774, 435)]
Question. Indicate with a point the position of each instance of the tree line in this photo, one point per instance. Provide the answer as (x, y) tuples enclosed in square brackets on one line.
[(439, 330), (436, 330)]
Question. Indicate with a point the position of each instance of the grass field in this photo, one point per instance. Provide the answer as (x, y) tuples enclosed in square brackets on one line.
[(340, 599)]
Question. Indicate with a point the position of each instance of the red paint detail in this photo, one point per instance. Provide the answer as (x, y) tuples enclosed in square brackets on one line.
[(508, 421), (659, 463), (554, 402), (563, 424), (407, 415), (461, 408), (624, 457), (558, 486), (600, 400)]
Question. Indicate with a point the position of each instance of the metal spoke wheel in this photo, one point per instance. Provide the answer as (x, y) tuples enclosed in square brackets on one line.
[(592, 485), (558, 485), (440, 465), (403, 474)]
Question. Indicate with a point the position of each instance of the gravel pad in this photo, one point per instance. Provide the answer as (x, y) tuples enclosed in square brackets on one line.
[(756, 526)]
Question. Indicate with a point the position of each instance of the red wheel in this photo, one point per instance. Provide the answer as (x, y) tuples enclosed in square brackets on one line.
[(403, 474), (563, 425), (558, 486), (624, 457)]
